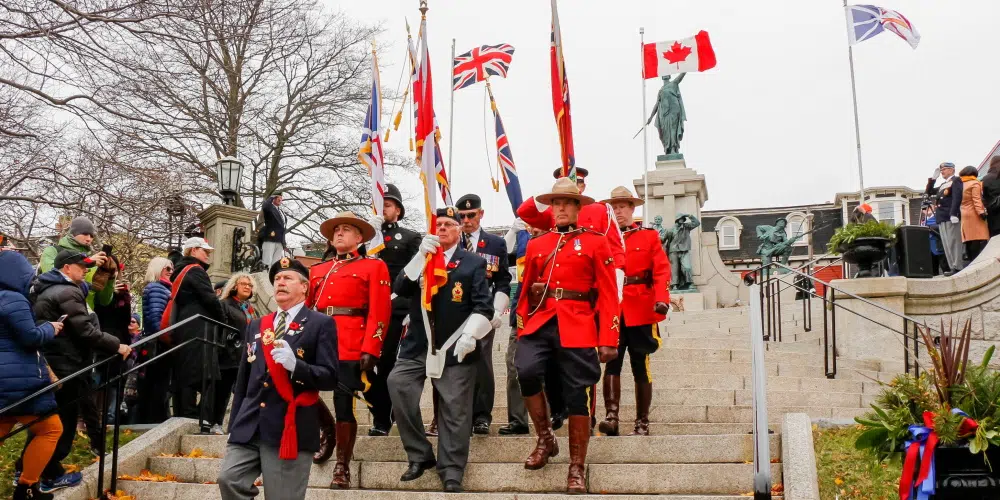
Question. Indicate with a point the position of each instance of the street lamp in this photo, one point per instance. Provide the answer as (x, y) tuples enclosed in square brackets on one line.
[(175, 218), (229, 171)]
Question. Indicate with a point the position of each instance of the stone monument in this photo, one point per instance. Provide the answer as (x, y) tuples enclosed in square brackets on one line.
[(219, 222)]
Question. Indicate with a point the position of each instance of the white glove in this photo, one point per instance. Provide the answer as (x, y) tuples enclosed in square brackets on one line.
[(937, 173), (511, 237), (428, 245), (376, 221), (500, 303), (283, 355), (955, 220), (620, 280), (466, 345)]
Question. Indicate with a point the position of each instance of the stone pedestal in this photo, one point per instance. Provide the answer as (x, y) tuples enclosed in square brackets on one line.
[(219, 222), (859, 336)]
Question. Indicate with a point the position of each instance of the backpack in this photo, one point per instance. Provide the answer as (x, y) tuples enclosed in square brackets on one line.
[(169, 315)]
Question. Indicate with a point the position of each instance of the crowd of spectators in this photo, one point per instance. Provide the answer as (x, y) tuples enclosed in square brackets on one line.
[(964, 215)]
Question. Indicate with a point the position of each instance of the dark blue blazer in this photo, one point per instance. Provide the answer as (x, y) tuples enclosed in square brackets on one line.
[(493, 249), (274, 223), (949, 201), (465, 293), (258, 410)]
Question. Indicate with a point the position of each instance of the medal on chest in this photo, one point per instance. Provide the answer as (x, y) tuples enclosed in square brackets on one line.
[(251, 352), (576, 244), (456, 292)]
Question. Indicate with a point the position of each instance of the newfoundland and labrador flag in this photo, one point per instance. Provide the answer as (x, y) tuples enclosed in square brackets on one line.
[(866, 21)]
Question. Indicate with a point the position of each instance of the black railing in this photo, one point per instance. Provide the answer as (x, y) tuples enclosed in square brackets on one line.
[(772, 279), (210, 343)]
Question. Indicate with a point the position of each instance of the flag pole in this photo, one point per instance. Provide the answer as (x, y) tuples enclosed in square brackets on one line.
[(645, 136), (857, 127), (451, 112)]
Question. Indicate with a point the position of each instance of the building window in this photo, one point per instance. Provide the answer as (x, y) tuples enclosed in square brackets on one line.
[(797, 225), (886, 212), (729, 229)]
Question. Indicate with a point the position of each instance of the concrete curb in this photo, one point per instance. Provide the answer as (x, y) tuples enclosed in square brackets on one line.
[(798, 458), (133, 457)]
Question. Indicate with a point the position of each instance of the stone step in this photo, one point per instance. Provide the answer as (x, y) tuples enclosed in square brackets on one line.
[(728, 382), (606, 479), (655, 428), (189, 491), (721, 448)]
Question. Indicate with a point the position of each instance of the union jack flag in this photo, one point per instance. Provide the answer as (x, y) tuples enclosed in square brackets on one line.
[(474, 66), (370, 153), (506, 161)]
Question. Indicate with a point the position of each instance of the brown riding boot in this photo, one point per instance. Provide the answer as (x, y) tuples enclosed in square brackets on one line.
[(579, 436), (347, 432), (546, 446), (612, 394), (327, 434), (643, 398)]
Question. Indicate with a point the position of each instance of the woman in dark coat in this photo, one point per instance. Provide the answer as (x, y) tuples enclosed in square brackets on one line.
[(25, 371), (236, 293), (991, 196), (154, 380)]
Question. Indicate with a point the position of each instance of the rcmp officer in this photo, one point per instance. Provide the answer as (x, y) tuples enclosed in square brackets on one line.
[(646, 295), (567, 313), (354, 290), (459, 318), (401, 245), (493, 248), (291, 355)]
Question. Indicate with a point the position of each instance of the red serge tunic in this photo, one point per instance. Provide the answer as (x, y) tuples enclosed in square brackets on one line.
[(358, 283), (594, 217), (644, 258), (582, 263)]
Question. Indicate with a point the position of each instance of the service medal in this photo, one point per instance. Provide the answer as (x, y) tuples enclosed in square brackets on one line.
[(576, 244)]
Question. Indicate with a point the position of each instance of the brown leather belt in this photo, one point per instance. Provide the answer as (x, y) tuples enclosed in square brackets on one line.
[(643, 279), (346, 311), (537, 293)]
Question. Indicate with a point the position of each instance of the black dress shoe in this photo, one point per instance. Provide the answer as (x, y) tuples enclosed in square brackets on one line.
[(513, 429), (416, 469), (376, 432), (452, 486), (481, 428)]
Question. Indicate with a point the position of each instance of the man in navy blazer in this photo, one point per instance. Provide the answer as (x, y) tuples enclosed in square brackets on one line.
[(291, 355), (272, 233), (493, 249)]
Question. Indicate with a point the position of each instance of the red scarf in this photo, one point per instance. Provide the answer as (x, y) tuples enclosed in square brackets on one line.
[(289, 449)]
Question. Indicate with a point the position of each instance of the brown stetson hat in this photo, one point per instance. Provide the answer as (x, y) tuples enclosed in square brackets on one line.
[(564, 188), (622, 193), (327, 227)]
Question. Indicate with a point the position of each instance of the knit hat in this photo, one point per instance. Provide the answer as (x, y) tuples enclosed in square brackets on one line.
[(82, 225)]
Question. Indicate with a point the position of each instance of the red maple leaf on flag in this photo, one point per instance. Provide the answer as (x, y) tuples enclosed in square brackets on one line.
[(677, 53)]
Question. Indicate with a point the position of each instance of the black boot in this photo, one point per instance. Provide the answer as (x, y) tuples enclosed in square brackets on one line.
[(26, 492)]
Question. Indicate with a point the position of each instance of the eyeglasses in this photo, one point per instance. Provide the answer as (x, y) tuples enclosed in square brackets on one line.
[(244, 283), (467, 215)]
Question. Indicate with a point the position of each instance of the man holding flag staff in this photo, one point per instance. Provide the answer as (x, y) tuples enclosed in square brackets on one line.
[(274, 428), (441, 343), (567, 314)]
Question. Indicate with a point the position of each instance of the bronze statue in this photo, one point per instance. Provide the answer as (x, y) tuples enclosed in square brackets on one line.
[(775, 243), (677, 243), (658, 226), (670, 116)]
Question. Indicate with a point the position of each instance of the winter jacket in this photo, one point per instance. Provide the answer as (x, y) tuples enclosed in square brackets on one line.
[(154, 300), (24, 368), (68, 243), (74, 348), (195, 296), (236, 318), (991, 195), (949, 198)]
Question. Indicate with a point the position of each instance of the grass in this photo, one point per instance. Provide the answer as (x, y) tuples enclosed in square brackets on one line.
[(79, 456), (849, 474)]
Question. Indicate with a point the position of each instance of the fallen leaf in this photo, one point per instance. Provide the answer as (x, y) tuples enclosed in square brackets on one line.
[(258, 482), (147, 476), (838, 481), (72, 468), (777, 488)]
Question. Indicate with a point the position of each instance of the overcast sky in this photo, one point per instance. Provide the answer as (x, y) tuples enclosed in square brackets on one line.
[(772, 124)]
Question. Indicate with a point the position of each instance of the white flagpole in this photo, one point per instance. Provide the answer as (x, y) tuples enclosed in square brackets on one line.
[(857, 127), (451, 111), (645, 136)]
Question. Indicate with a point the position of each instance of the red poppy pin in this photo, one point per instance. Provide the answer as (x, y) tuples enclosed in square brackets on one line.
[(387, 239), (452, 265), (482, 244), (293, 326), (145, 352)]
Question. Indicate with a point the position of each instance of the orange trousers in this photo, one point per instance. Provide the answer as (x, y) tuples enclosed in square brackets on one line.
[(39, 451)]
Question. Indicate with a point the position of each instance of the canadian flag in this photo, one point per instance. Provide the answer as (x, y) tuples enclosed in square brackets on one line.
[(678, 56)]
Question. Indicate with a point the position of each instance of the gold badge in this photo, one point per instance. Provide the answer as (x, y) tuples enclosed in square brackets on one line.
[(450, 211), (300, 352), (614, 323), (456, 292), (285, 263), (268, 337), (468, 203), (378, 330)]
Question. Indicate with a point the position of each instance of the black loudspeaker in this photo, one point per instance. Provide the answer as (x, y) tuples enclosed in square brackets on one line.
[(913, 252)]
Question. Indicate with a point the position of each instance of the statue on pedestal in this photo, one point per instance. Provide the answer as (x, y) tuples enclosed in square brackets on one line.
[(775, 243), (658, 226), (670, 116), (677, 243)]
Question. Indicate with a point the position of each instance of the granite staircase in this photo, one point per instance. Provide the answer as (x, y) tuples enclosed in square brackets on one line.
[(700, 447)]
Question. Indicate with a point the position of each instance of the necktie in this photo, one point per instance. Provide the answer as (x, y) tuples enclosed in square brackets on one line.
[(280, 329), (468, 243)]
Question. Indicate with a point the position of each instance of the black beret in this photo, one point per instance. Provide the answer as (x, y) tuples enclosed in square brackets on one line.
[(449, 213), (287, 264), (469, 202)]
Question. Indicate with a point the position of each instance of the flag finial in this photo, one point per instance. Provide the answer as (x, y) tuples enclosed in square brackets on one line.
[(423, 8)]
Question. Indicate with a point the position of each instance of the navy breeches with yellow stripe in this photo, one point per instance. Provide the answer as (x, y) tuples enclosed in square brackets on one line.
[(639, 341), (578, 368), (351, 377)]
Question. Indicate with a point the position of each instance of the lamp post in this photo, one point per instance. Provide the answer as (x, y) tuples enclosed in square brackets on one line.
[(175, 219), (229, 171)]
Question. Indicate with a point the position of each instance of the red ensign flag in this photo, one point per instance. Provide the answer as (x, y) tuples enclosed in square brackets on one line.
[(678, 56)]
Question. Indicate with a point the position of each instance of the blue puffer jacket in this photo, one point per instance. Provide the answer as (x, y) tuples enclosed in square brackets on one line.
[(24, 368), (154, 300)]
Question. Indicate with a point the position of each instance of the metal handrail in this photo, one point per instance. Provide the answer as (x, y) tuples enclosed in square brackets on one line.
[(758, 401)]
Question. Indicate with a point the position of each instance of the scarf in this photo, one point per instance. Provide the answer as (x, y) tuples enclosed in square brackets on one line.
[(289, 449)]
